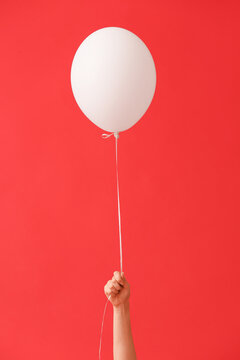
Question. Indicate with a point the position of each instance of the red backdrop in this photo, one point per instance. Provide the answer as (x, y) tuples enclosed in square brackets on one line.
[(179, 185)]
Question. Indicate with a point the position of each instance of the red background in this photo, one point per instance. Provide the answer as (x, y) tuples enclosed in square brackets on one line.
[(179, 185)]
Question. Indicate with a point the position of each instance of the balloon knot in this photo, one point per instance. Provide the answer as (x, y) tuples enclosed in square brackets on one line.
[(116, 134)]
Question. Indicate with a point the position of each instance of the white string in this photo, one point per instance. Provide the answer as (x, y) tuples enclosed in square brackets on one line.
[(119, 212), (105, 136), (100, 344)]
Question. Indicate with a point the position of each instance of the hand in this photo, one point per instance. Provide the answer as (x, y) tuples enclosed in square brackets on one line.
[(118, 288)]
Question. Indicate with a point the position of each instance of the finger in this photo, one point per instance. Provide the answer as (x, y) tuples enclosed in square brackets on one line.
[(112, 288), (116, 284), (118, 277), (109, 292), (106, 291)]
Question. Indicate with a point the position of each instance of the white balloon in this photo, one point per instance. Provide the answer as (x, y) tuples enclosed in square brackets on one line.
[(113, 78)]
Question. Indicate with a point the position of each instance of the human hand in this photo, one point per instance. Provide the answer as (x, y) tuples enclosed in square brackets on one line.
[(118, 288)]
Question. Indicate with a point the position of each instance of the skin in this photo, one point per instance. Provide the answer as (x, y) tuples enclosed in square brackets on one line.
[(119, 289)]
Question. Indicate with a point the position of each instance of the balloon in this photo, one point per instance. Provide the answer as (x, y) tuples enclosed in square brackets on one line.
[(113, 78)]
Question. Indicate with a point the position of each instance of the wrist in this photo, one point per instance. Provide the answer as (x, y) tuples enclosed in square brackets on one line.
[(123, 307)]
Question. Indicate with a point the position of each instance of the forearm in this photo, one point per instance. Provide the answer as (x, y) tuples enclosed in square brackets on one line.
[(123, 346)]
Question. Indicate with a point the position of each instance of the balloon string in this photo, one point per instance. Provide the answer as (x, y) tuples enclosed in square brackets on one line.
[(105, 136), (119, 212), (100, 344)]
